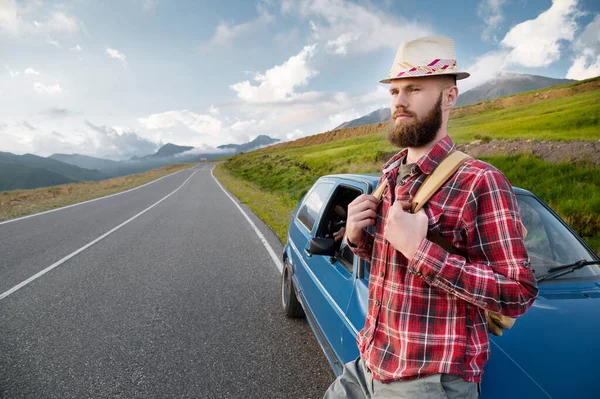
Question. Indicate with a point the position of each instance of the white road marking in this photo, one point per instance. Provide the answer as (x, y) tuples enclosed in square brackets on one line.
[(66, 258), (85, 202), (275, 258)]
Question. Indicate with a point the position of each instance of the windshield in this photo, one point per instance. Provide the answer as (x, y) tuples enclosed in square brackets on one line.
[(549, 243)]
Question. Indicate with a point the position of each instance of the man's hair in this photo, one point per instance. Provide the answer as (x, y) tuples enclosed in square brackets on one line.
[(448, 81)]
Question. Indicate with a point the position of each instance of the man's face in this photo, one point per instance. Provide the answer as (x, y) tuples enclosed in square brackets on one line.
[(416, 111)]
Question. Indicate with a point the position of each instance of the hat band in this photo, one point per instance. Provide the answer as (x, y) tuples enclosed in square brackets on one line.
[(435, 66)]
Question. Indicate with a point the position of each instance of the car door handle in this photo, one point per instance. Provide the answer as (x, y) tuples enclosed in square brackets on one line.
[(307, 252)]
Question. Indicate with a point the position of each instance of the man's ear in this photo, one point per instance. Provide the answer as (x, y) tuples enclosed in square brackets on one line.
[(450, 97)]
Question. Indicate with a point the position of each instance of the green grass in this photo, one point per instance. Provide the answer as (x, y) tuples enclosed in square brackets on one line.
[(572, 190), (564, 119), (276, 211)]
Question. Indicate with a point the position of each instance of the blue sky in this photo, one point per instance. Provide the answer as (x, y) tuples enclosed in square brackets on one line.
[(119, 78)]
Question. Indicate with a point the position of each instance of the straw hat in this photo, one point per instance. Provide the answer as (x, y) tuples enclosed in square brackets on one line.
[(426, 56)]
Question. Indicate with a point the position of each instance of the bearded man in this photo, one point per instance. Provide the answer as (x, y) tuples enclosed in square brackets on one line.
[(425, 335)]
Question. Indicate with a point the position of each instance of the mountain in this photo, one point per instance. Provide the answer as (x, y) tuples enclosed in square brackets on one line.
[(84, 161), (168, 150), (32, 171), (15, 176), (506, 84), (260, 141), (71, 172), (380, 115)]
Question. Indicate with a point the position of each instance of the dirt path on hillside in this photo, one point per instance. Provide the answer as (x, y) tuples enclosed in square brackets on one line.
[(550, 151)]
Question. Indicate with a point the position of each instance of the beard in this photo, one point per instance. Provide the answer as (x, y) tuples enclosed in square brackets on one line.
[(417, 133)]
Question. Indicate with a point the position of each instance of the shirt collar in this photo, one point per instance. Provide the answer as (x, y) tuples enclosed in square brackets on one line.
[(428, 162)]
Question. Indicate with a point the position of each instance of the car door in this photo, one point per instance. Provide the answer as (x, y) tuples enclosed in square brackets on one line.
[(331, 278), (356, 311)]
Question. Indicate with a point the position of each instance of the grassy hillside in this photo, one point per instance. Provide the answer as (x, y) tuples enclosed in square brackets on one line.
[(287, 170), (31, 171), (14, 176)]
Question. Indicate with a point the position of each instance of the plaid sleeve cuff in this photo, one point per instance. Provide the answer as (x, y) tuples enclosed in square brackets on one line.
[(364, 248), (428, 261)]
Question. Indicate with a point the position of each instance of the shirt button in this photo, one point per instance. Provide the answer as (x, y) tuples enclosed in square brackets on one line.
[(376, 303), (419, 274), (381, 274)]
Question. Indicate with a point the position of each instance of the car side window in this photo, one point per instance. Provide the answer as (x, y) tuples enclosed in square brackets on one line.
[(536, 242), (333, 224), (310, 208)]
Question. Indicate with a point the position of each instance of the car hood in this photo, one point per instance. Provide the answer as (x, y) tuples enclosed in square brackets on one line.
[(553, 350)]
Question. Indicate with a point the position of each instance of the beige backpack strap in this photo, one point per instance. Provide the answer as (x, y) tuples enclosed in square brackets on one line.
[(437, 178), (496, 322), (378, 193)]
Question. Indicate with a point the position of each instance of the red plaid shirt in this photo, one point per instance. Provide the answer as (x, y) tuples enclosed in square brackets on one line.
[(426, 316)]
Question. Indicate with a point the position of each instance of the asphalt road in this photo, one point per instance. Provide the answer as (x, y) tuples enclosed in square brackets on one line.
[(182, 301)]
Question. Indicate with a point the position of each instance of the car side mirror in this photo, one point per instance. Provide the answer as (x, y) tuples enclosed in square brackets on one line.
[(322, 246)]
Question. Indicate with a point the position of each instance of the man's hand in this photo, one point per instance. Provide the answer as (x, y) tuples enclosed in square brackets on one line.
[(404, 230), (362, 212)]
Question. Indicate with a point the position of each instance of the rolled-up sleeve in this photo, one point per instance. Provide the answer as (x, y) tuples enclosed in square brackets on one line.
[(364, 248)]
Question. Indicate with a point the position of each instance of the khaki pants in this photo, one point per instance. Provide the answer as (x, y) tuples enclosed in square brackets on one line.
[(357, 382)]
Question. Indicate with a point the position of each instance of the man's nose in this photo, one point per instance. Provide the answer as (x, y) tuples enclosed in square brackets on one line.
[(399, 100)]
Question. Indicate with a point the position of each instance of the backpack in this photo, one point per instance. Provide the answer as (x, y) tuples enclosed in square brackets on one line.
[(445, 169)]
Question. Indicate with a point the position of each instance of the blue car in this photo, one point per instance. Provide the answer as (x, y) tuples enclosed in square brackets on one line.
[(552, 352)]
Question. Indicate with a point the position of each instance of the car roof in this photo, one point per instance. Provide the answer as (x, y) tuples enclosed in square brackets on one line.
[(373, 178)]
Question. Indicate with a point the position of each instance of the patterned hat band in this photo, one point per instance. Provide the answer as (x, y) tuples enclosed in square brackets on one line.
[(435, 66)]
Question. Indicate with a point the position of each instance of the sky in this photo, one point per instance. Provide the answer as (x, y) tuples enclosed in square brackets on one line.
[(117, 78)]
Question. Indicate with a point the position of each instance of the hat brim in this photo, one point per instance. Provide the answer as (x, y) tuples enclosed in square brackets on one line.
[(459, 76)]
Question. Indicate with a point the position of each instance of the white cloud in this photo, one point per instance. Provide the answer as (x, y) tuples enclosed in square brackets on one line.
[(490, 11), (60, 22), (50, 90), (486, 67), (15, 18), (9, 19), (83, 138), (354, 28), (13, 74), (31, 71), (339, 45), (186, 127), (585, 66), (196, 122), (53, 42), (587, 49), (536, 43), (214, 111), (227, 33), (341, 117), (278, 83), (115, 142), (243, 125), (76, 48), (112, 53)]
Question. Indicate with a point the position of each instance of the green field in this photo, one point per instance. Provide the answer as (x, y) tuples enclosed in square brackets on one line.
[(285, 173), (564, 119)]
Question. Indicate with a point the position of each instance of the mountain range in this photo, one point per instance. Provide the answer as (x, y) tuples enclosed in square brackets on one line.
[(502, 85), (32, 171)]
